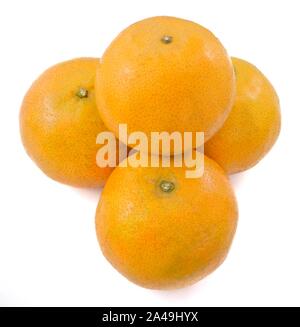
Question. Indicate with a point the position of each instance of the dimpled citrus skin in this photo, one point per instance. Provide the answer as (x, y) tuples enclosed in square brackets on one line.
[(59, 128), (253, 125), (185, 83), (164, 240)]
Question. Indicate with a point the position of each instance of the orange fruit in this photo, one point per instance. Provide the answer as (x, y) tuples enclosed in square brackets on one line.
[(162, 230), (59, 123), (165, 74), (253, 125)]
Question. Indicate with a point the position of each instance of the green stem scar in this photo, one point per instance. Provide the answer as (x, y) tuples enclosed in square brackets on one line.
[(166, 39), (235, 72), (82, 93), (167, 186)]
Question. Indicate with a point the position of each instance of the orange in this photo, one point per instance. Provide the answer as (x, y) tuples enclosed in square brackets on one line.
[(253, 125), (59, 123), (165, 74), (162, 230)]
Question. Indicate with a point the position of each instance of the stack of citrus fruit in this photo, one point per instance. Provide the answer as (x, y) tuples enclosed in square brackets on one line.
[(157, 227)]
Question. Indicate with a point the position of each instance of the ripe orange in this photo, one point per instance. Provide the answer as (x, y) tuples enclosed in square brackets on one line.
[(165, 74), (162, 230), (59, 123), (253, 124)]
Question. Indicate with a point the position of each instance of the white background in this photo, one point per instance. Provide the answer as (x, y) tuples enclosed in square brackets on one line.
[(48, 249)]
